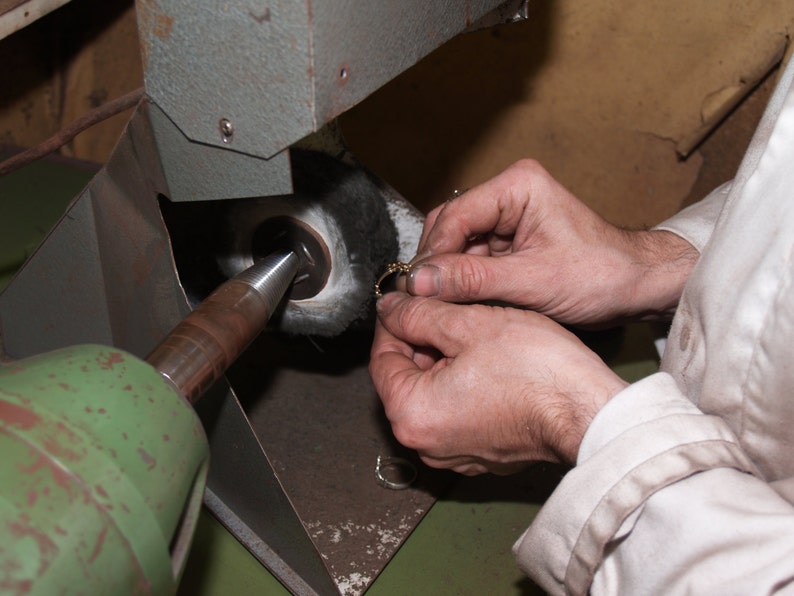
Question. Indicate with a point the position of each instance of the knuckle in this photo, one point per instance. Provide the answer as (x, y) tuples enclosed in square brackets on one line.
[(414, 424), (529, 167), (402, 432), (471, 279), (527, 174), (411, 313), (436, 463), (409, 432)]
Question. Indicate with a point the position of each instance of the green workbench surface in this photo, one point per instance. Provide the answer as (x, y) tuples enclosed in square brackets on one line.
[(462, 546)]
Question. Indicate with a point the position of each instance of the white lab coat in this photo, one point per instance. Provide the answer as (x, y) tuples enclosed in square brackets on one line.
[(685, 480)]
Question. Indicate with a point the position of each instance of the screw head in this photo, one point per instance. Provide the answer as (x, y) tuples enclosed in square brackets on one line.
[(227, 129)]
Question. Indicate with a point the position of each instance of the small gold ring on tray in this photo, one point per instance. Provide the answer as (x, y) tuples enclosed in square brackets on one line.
[(403, 472)]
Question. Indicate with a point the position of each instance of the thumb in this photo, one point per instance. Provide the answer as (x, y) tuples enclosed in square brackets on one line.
[(424, 322), (465, 278)]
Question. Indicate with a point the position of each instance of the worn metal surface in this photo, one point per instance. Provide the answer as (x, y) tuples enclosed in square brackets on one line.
[(105, 274), (109, 262), (322, 426), (199, 172), (273, 73), (101, 477), (246, 495)]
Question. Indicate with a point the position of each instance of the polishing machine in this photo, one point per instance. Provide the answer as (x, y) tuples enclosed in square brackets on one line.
[(230, 189)]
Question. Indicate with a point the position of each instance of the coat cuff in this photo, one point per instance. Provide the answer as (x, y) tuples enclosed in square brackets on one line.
[(696, 223), (647, 437)]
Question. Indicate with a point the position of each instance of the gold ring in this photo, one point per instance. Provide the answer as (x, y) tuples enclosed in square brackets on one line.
[(391, 269)]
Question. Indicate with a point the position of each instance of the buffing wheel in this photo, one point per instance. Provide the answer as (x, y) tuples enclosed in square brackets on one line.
[(345, 225)]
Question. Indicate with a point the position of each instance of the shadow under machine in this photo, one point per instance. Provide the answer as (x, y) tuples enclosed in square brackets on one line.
[(230, 174)]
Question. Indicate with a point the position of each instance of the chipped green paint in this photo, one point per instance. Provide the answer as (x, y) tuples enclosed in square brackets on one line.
[(100, 458)]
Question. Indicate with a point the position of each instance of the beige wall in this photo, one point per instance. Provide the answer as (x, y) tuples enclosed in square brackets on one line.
[(606, 94), (602, 92)]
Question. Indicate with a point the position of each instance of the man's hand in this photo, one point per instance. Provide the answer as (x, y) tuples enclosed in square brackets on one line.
[(523, 238), (481, 389)]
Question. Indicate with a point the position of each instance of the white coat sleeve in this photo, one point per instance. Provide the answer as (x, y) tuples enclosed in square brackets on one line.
[(696, 223), (662, 500)]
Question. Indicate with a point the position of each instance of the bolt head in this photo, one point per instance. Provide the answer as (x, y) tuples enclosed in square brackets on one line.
[(227, 129)]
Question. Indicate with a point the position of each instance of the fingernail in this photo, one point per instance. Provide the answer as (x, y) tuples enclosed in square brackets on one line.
[(387, 303), (424, 280)]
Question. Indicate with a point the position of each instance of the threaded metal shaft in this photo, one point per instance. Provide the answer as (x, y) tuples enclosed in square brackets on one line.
[(200, 349)]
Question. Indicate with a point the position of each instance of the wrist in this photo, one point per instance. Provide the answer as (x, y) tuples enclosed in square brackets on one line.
[(661, 262), (581, 408)]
